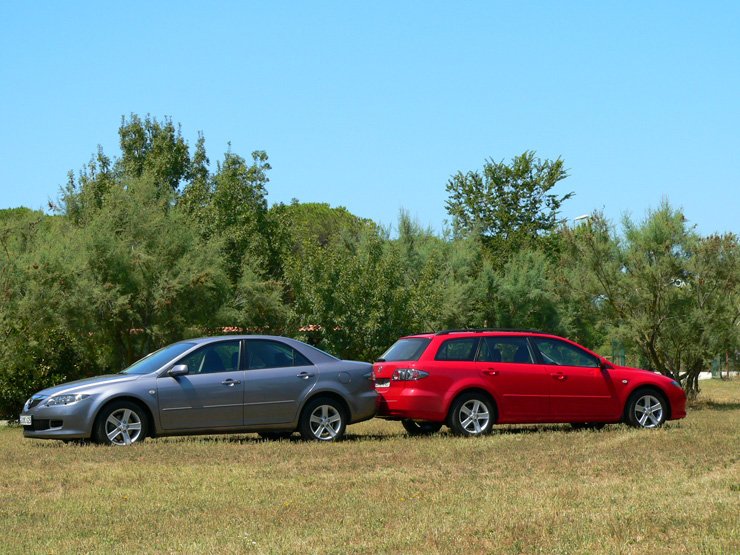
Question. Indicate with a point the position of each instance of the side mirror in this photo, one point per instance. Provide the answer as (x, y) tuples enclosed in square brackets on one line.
[(605, 365), (178, 370)]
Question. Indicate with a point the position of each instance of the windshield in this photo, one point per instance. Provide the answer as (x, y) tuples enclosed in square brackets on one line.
[(406, 349), (157, 359)]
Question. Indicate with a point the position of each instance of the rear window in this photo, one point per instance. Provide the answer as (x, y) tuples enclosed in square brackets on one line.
[(406, 349)]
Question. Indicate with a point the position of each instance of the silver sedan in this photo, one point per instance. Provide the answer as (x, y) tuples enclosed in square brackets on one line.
[(266, 384)]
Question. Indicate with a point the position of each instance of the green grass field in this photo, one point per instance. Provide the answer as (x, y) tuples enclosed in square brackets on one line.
[(540, 489)]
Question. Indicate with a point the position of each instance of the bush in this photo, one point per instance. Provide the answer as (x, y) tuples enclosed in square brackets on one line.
[(27, 367)]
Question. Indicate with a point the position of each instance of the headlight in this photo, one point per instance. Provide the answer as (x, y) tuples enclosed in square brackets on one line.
[(65, 399)]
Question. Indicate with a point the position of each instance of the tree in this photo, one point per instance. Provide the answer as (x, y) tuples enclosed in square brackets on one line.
[(669, 293), (196, 196), (509, 206), (155, 148), (526, 296), (238, 213)]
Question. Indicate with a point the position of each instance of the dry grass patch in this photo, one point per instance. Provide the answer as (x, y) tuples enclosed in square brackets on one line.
[(537, 489)]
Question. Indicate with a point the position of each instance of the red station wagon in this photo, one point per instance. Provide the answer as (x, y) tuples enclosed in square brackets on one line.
[(471, 379)]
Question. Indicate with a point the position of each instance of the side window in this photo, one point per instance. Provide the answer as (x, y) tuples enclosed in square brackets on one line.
[(505, 349), (272, 354), (216, 357), (560, 353), (458, 349)]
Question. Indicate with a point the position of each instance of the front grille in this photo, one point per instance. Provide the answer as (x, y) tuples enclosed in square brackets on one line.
[(38, 425)]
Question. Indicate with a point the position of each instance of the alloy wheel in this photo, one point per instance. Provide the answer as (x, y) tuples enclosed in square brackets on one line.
[(325, 422), (123, 427), (474, 416), (648, 411)]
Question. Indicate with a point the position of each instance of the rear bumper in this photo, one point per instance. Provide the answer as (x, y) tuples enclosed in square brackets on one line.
[(364, 406), (408, 402)]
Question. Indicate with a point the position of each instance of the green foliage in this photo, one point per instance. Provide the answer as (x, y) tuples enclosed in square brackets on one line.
[(527, 297), (36, 362), (668, 292), (509, 205), (150, 275), (154, 148), (152, 246), (348, 297)]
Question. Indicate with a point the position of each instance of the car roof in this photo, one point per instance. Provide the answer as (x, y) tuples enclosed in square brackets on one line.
[(212, 338), (479, 332)]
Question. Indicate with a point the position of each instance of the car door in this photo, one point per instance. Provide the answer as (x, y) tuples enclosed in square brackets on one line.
[(210, 395), (580, 389), (277, 380), (522, 387)]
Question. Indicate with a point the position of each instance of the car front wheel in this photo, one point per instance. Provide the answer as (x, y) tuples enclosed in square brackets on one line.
[(120, 423), (472, 414), (322, 419), (646, 409)]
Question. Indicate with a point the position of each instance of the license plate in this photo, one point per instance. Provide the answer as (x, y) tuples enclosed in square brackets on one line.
[(382, 383), (26, 420)]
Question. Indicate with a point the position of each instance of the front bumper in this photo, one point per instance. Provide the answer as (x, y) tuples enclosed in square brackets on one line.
[(678, 405), (60, 422)]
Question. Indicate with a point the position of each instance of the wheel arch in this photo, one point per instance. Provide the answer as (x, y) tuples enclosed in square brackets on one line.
[(472, 389), (331, 395), (149, 415), (646, 388)]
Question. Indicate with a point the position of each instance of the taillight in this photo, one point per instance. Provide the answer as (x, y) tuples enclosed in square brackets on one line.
[(408, 374)]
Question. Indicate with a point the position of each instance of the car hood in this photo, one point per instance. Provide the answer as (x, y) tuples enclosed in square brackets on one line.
[(627, 370), (78, 386), (631, 369)]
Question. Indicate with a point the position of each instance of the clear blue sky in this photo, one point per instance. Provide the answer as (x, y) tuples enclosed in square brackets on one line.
[(374, 105)]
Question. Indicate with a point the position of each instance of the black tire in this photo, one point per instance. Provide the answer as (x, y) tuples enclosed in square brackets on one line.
[(121, 423), (275, 435), (323, 419), (588, 425), (420, 427), (472, 414), (646, 408)]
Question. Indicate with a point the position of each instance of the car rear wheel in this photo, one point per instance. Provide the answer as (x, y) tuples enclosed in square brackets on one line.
[(323, 419), (120, 423), (472, 414), (646, 409), (420, 428)]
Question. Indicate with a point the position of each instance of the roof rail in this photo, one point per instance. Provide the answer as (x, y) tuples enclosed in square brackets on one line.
[(477, 330)]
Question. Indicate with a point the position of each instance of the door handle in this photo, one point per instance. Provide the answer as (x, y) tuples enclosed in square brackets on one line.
[(304, 375), (230, 382), (559, 376), (490, 372)]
